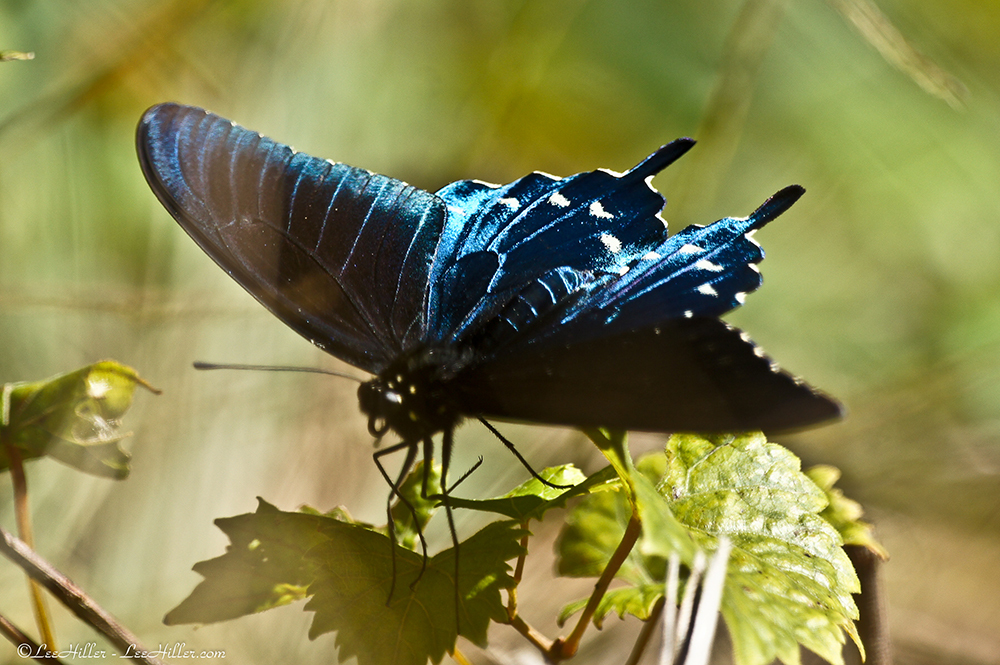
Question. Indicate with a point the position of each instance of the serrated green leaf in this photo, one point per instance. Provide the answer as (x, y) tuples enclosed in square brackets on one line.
[(264, 566), (789, 581), (355, 577), (346, 569), (532, 499), (73, 417), (843, 513)]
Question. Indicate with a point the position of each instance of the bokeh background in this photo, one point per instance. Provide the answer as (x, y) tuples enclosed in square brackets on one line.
[(882, 285)]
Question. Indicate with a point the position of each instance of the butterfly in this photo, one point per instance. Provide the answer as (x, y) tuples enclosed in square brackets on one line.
[(560, 301)]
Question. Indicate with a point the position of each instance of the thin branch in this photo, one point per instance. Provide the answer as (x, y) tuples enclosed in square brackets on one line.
[(537, 639), (563, 649), (26, 647), (73, 597), (648, 627), (518, 575)]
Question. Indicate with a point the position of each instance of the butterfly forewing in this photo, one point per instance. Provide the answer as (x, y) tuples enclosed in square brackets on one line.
[(338, 253)]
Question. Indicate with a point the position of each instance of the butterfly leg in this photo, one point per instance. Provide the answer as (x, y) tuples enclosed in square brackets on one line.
[(520, 458), (411, 455), (446, 444)]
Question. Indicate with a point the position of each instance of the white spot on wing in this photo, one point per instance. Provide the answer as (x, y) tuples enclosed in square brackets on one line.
[(651, 256), (705, 264), (559, 200), (513, 204), (740, 297), (688, 314), (611, 242), (707, 290), (491, 185), (690, 249), (597, 210), (753, 266)]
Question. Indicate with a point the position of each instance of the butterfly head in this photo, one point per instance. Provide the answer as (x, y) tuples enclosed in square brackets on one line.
[(410, 397)]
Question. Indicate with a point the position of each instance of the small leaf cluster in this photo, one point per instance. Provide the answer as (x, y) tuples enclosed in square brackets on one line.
[(789, 581)]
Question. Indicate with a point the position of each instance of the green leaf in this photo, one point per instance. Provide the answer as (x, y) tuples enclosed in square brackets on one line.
[(264, 566), (74, 418), (789, 580), (532, 499), (355, 577), (843, 513), (346, 568), (614, 445)]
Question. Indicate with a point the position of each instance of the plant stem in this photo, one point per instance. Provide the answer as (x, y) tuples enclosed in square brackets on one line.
[(518, 575), (459, 657), (22, 515), (648, 628), (563, 649), (537, 639), (22, 641), (73, 597)]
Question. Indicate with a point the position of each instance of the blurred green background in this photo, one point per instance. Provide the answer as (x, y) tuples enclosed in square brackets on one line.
[(882, 285)]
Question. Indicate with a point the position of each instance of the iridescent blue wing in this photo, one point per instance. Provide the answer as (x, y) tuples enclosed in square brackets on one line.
[(338, 253), (501, 239)]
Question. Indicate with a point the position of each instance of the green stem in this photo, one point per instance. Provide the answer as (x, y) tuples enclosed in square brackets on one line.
[(563, 649), (22, 515)]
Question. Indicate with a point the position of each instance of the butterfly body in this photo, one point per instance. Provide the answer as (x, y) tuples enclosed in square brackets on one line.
[(552, 300)]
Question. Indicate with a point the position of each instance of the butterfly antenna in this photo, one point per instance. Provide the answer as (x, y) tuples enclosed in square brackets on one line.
[(524, 462), (274, 368)]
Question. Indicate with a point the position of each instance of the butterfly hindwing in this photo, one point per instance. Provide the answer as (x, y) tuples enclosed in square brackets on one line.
[(695, 374), (338, 253)]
